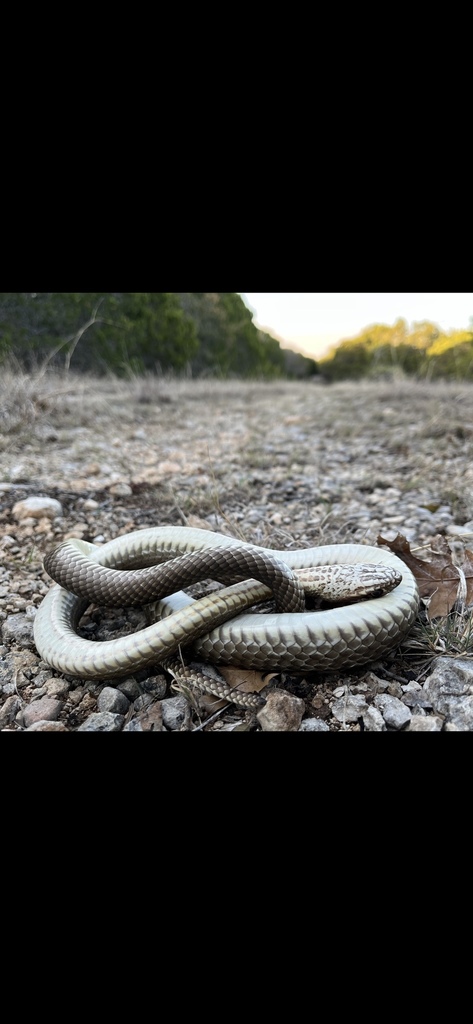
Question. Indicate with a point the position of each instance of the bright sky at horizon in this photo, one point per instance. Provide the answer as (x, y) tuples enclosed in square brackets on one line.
[(314, 321)]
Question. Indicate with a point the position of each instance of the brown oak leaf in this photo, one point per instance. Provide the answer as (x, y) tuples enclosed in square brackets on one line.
[(241, 680), (245, 680), (438, 579)]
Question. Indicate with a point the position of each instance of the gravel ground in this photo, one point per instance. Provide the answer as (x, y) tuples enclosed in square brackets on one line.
[(285, 465)]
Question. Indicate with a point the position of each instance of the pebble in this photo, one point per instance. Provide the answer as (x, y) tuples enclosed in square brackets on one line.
[(175, 713), (121, 490), (349, 708), (449, 690), (395, 713), (282, 712), (45, 708), (37, 508), (373, 720), (313, 725), (110, 699), (43, 725), (9, 710), (425, 723), (18, 629), (102, 721)]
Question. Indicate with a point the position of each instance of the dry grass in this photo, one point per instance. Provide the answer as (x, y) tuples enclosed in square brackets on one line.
[(450, 635)]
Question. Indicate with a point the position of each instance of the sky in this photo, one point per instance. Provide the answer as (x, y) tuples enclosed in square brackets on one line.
[(314, 321)]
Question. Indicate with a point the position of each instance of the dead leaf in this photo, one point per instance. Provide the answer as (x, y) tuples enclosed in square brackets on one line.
[(438, 579), (245, 680)]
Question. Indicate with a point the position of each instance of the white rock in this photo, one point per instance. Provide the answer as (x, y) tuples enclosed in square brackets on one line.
[(394, 712), (349, 708), (36, 508), (281, 713), (313, 725), (373, 720), (424, 723)]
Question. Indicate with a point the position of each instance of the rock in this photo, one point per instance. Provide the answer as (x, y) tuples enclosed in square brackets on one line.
[(142, 702), (281, 713), (167, 466), (121, 490), (56, 688), (7, 541), (313, 725), (45, 726), (449, 689), (455, 530), (102, 721), (394, 711), (37, 507), (110, 699), (425, 723), (349, 708), (18, 629), (129, 687), (45, 708), (175, 712), (156, 685), (9, 710), (373, 720)]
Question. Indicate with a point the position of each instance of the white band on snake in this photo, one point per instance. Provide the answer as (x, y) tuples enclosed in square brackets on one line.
[(297, 640)]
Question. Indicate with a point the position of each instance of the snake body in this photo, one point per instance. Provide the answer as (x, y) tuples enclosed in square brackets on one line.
[(296, 640)]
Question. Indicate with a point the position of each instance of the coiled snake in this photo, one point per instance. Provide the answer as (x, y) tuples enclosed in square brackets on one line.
[(294, 639)]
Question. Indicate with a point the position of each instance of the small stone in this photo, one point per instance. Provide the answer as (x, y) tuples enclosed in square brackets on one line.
[(37, 507), (45, 726), (313, 725), (9, 710), (157, 685), (110, 699), (168, 467), (45, 708), (349, 708), (7, 541), (281, 713), (129, 687), (142, 702), (56, 688), (455, 530), (19, 630), (425, 723), (449, 688), (394, 712), (175, 712), (121, 490), (102, 721), (373, 720)]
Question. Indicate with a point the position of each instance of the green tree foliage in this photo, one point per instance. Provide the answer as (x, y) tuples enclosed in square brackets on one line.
[(138, 331), (452, 356), (182, 332), (380, 350)]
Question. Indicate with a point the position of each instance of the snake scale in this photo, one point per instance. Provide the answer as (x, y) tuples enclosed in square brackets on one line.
[(135, 569)]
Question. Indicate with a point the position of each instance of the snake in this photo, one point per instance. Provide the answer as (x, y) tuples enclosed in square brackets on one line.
[(151, 565)]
